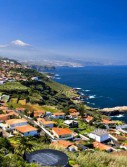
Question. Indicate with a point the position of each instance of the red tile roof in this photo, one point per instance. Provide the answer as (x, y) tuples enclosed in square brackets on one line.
[(106, 121), (72, 110), (62, 131), (89, 118), (15, 121), (63, 143), (26, 128), (39, 113), (101, 146), (44, 122), (4, 117)]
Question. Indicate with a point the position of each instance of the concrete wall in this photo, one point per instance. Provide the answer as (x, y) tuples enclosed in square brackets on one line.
[(99, 138)]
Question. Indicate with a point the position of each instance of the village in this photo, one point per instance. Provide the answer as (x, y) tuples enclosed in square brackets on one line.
[(72, 130), (112, 138)]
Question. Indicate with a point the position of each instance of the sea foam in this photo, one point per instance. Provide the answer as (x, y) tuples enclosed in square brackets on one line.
[(87, 90), (118, 116), (92, 96)]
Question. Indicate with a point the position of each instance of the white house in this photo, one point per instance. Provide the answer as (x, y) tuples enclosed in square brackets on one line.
[(58, 115), (99, 135), (27, 130), (13, 123), (71, 123)]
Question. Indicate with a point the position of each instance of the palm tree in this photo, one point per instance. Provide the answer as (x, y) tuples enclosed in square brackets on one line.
[(24, 146), (81, 110)]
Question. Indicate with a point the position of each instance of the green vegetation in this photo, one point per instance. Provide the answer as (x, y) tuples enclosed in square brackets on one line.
[(62, 89), (13, 87), (13, 158), (45, 94), (42, 91)]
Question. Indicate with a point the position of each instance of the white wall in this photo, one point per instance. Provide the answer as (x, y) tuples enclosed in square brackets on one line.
[(99, 138)]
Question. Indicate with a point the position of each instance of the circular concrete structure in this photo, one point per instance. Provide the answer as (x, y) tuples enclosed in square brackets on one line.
[(48, 157)]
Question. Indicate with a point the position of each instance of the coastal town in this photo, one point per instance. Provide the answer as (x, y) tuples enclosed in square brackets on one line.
[(71, 129)]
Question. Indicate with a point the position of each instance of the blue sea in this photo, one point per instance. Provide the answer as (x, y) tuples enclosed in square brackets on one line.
[(104, 86)]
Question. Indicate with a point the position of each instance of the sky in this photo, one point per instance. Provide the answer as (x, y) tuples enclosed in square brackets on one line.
[(86, 30)]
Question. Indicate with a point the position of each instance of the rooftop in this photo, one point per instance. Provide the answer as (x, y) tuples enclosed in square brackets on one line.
[(63, 143), (44, 121), (3, 116), (26, 128), (62, 131), (15, 121), (69, 122), (38, 113), (89, 118), (106, 121), (72, 110), (100, 132), (102, 146)]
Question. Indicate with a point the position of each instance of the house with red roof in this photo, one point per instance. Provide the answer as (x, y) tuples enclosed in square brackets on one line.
[(45, 123), (13, 123), (62, 133), (66, 145), (109, 123), (27, 130), (39, 113), (102, 146), (5, 117), (89, 119)]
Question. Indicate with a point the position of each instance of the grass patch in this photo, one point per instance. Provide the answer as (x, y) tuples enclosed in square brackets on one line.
[(12, 86), (22, 102)]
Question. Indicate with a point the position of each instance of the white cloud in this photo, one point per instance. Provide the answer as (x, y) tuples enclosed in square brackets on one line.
[(15, 43), (19, 43)]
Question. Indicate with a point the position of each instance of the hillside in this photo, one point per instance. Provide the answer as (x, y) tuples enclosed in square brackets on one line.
[(36, 88), (47, 105)]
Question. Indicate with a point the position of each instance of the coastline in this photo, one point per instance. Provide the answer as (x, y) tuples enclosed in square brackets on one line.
[(87, 94), (114, 110)]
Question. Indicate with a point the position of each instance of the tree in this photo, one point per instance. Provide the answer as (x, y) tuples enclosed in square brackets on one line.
[(45, 138), (24, 146), (81, 110), (1, 112)]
